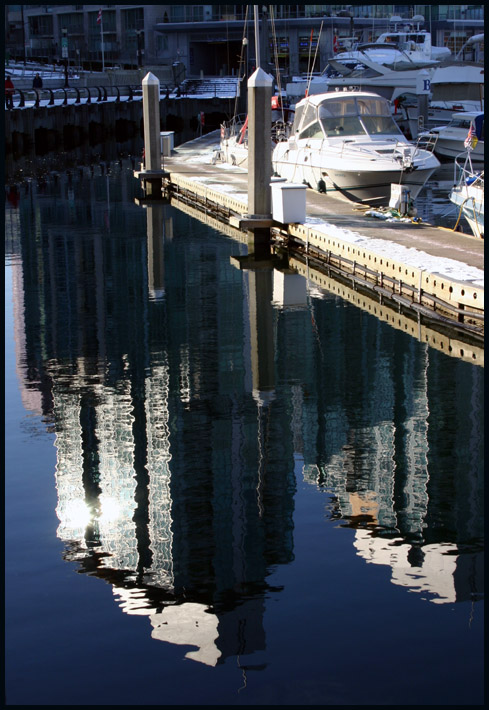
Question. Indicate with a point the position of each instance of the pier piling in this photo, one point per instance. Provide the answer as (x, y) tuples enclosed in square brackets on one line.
[(259, 157)]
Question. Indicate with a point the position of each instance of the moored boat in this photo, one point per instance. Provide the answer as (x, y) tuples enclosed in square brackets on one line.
[(449, 140), (351, 138), (468, 193)]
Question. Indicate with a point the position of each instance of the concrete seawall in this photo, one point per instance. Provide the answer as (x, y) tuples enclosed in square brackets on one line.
[(39, 129)]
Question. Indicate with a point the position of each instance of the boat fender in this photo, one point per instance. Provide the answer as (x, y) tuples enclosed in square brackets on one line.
[(321, 187)]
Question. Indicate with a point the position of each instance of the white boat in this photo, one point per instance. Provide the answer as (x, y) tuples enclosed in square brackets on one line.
[(407, 45), (455, 86), (468, 193), (398, 50), (351, 138), (449, 140), (233, 145), (364, 74)]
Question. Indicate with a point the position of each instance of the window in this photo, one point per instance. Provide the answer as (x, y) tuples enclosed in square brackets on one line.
[(41, 25), (73, 22), (161, 43), (312, 131), (177, 13), (133, 19)]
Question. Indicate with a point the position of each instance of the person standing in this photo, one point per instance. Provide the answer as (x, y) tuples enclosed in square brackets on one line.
[(37, 83), (9, 93)]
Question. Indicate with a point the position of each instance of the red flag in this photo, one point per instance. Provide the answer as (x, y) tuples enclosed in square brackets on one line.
[(99, 17)]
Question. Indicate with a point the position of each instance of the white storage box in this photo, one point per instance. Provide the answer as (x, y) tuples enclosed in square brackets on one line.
[(166, 140), (288, 202)]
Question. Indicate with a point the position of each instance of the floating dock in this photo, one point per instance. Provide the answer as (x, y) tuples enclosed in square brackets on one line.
[(436, 272)]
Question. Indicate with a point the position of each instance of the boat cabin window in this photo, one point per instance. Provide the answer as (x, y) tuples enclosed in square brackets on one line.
[(393, 39), (357, 116), (459, 122), (312, 131), (304, 116), (299, 110)]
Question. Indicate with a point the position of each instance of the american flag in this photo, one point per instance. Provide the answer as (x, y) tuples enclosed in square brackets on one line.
[(471, 139), (99, 17)]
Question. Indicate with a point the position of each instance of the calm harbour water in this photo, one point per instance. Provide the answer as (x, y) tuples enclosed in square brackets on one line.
[(214, 498)]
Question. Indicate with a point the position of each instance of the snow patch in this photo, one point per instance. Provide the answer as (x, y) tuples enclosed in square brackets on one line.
[(449, 268)]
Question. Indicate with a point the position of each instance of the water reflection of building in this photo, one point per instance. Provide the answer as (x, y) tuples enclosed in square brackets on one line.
[(163, 483), (175, 473), (394, 463)]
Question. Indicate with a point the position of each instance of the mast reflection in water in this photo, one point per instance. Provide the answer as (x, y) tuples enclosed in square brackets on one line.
[(197, 407)]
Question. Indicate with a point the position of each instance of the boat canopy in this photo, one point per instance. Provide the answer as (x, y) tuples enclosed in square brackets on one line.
[(338, 114)]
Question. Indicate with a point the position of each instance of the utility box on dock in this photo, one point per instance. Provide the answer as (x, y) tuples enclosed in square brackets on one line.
[(288, 202), (399, 198), (167, 140)]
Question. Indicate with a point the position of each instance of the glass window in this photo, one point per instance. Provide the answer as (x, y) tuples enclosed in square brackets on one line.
[(41, 25), (312, 131), (133, 19), (72, 21), (373, 107), (310, 114), (380, 125), (338, 108), (297, 117), (342, 126), (177, 13)]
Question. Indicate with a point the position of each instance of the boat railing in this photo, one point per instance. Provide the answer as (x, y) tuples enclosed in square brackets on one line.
[(231, 128), (281, 131), (465, 175), (426, 141)]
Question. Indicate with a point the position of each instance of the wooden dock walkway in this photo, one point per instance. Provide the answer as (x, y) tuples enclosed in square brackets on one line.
[(451, 264)]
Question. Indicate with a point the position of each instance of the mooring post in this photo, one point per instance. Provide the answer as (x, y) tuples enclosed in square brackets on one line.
[(260, 86), (151, 120)]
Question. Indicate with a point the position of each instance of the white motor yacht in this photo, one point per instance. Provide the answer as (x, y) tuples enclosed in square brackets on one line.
[(351, 138), (362, 73), (449, 140), (468, 193)]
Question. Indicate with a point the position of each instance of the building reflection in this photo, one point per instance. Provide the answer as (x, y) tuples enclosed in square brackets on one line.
[(182, 392)]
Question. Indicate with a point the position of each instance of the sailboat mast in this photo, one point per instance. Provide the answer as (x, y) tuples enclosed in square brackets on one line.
[(257, 36)]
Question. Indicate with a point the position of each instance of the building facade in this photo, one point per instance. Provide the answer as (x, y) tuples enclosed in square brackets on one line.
[(216, 39)]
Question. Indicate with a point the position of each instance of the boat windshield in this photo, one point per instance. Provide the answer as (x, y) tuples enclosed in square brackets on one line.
[(356, 116)]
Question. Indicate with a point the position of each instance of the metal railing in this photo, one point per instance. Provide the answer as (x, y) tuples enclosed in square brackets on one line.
[(35, 98)]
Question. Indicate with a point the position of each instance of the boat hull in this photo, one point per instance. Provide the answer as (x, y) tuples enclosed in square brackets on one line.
[(371, 185), (374, 187), (450, 149), (471, 203)]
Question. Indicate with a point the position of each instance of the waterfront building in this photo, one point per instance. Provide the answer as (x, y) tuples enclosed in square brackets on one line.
[(208, 39)]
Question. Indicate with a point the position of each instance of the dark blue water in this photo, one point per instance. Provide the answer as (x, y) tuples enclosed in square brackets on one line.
[(214, 499)]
